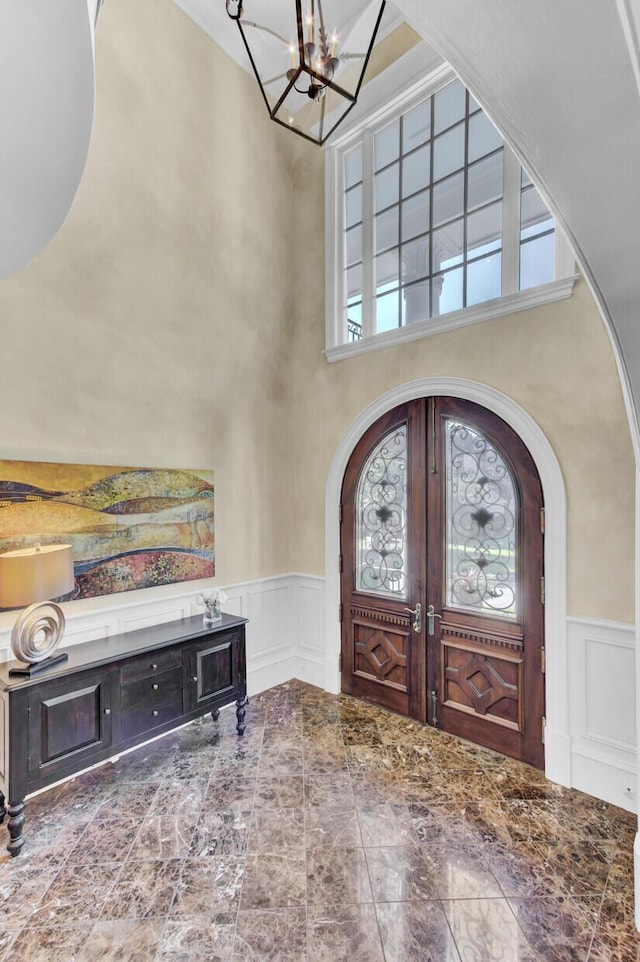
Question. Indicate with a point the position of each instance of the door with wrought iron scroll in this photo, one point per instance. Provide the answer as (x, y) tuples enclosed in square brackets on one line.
[(442, 578)]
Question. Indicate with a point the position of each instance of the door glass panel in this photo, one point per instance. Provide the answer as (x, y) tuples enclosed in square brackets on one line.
[(481, 524), (381, 510)]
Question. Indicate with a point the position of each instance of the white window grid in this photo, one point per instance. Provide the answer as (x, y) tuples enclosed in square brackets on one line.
[(512, 298)]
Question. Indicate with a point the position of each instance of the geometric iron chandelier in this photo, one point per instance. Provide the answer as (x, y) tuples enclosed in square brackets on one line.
[(309, 58)]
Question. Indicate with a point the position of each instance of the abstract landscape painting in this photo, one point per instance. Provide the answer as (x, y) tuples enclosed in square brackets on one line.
[(129, 527)]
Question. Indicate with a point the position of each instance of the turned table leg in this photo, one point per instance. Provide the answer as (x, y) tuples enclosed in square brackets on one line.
[(215, 714), (241, 711), (15, 823)]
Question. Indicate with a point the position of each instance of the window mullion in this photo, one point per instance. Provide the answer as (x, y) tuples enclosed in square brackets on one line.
[(510, 223), (368, 233)]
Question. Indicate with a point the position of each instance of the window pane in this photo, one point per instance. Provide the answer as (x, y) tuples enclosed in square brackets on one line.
[(525, 180), (415, 215), (448, 245), (481, 512), (485, 181), (449, 106), (536, 229), (415, 171), (354, 322), (537, 261), (353, 206), (415, 259), (353, 166), (387, 145), (448, 199), (381, 515), (448, 152), (415, 303), (450, 298), (484, 230), (354, 282), (483, 137), (387, 229), (387, 185), (354, 244), (534, 216), (416, 126), (387, 314), (484, 279), (387, 271), (473, 104)]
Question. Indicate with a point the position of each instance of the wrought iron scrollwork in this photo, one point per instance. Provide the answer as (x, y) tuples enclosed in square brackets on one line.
[(481, 523), (381, 502)]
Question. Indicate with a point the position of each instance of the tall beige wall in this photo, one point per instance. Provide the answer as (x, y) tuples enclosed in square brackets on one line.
[(555, 362), (154, 330), (178, 320)]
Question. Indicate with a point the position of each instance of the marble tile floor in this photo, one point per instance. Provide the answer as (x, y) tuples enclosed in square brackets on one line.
[(331, 831)]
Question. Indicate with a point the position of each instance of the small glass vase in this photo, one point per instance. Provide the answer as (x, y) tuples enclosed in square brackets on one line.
[(212, 613)]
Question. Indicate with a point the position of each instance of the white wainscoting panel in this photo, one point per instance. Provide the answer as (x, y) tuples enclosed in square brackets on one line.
[(271, 609), (602, 710), (310, 639)]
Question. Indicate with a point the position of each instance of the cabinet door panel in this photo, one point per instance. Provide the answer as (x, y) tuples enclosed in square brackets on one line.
[(215, 668), (68, 720)]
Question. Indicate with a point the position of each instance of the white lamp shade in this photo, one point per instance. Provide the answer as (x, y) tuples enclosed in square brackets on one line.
[(35, 574)]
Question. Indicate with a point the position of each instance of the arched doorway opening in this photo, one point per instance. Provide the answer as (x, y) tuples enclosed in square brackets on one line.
[(442, 586), (557, 746)]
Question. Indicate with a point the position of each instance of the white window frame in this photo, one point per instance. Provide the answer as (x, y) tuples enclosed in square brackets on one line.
[(392, 93)]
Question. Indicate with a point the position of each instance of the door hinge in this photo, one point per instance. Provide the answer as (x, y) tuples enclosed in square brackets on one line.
[(544, 725), (340, 612), (542, 520), (340, 563), (340, 662), (340, 514), (543, 660), (542, 591)]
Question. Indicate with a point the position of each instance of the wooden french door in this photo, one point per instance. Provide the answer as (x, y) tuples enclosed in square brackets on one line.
[(442, 574)]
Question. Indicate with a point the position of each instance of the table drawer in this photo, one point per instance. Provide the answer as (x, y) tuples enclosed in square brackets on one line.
[(150, 702), (155, 663)]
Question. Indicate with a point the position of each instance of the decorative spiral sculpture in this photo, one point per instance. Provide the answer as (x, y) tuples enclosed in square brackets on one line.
[(37, 632)]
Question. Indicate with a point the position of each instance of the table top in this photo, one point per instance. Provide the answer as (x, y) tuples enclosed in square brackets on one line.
[(102, 651)]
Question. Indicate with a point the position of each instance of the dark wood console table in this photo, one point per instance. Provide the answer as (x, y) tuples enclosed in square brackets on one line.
[(111, 695)]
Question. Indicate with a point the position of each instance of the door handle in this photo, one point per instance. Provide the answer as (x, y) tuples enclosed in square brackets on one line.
[(417, 617), (431, 615)]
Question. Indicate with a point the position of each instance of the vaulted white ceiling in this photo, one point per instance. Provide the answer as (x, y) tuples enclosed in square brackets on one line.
[(561, 80)]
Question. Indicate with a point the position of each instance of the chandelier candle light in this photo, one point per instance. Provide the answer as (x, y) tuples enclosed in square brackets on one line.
[(34, 575), (309, 57)]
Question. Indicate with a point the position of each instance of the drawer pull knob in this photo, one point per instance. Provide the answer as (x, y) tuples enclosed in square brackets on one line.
[(194, 678), (154, 712), (155, 687), (107, 711), (154, 667)]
